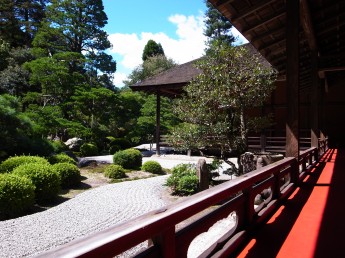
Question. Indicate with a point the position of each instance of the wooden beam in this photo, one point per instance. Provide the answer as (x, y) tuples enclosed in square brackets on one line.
[(307, 25), (292, 74), (269, 33), (158, 123), (332, 69), (314, 101), (279, 15), (257, 6)]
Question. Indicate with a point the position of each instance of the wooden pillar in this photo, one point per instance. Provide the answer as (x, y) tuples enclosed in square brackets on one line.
[(292, 77), (158, 123), (314, 100)]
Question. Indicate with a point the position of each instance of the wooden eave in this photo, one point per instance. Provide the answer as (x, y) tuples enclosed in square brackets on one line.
[(322, 31)]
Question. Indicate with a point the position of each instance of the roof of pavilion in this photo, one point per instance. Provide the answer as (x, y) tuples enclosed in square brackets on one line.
[(170, 83), (263, 23)]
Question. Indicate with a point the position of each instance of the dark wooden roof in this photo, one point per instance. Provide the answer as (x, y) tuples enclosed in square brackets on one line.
[(170, 83), (263, 23)]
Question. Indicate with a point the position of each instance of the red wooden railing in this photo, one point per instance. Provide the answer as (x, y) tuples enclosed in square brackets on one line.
[(159, 227)]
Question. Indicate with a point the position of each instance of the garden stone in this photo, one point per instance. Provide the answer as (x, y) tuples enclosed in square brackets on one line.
[(74, 143)]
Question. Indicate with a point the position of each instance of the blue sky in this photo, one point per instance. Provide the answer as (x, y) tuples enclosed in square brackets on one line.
[(176, 24)]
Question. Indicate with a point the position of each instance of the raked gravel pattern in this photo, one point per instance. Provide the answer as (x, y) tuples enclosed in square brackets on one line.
[(88, 212)]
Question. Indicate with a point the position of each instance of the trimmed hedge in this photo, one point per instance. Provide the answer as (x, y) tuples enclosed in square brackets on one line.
[(115, 171), (11, 163), (129, 159), (17, 194), (46, 180), (69, 173), (183, 180), (61, 158), (152, 167)]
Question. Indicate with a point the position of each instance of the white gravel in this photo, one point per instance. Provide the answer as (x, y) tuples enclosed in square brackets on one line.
[(88, 212)]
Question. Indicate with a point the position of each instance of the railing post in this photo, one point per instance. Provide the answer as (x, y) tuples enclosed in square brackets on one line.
[(203, 174), (166, 243), (263, 142), (295, 171), (249, 205)]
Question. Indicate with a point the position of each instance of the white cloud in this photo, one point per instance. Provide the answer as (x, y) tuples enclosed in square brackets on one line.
[(189, 45), (119, 78)]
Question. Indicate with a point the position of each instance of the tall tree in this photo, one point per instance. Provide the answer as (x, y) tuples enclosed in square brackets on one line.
[(217, 27), (20, 20), (233, 80), (74, 28), (152, 48), (14, 79)]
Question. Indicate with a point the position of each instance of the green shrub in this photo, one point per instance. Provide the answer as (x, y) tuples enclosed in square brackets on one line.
[(121, 142), (114, 148), (11, 163), (69, 174), (188, 185), (59, 146), (130, 158), (61, 158), (46, 180), (88, 149), (115, 172), (183, 179), (17, 194), (152, 167)]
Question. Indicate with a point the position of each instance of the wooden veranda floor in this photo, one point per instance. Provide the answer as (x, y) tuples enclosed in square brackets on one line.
[(312, 221)]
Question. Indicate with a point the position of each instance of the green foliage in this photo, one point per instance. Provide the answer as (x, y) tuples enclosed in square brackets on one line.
[(13, 124), (152, 49), (61, 158), (59, 146), (115, 171), (20, 20), (152, 167), (11, 163), (113, 149), (150, 67), (186, 136), (183, 180), (187, 185), (88, 149), (46, 180), (129, 159), (121, 143), (17, 194), (233, 80), (69, 173), (217, 26)]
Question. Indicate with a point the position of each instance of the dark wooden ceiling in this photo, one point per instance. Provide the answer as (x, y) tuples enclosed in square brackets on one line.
[(322, 31)]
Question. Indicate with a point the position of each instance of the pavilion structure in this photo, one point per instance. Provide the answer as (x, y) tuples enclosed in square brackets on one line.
[(170, 84)]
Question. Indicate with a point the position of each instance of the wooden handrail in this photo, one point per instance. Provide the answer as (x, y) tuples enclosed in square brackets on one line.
[(236, 196)]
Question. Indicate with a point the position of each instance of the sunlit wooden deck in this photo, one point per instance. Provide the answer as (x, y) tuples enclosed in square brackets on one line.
[(311, 223)]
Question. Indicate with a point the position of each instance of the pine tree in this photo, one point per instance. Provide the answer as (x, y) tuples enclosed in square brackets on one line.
[(218, 27)]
